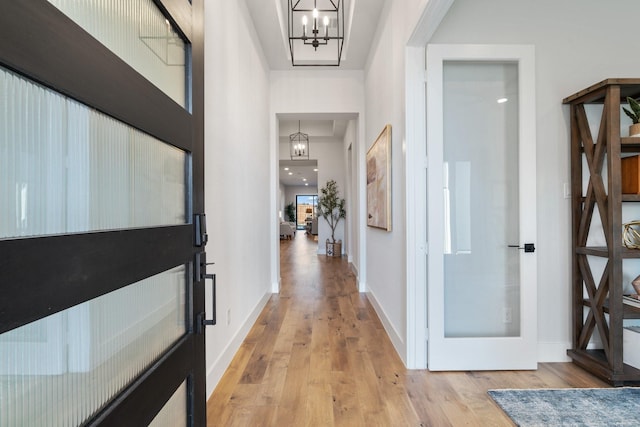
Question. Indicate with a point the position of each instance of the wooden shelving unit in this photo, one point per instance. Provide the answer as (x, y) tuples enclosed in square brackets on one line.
[(602, 309)]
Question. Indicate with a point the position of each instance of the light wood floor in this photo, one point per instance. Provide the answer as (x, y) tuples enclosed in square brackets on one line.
[(319, 356)]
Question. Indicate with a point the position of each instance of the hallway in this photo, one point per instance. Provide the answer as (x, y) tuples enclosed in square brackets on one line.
[(319, 356)]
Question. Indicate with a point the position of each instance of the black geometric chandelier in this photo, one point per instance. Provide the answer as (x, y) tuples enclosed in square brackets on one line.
[(314, 24), (299, 145)]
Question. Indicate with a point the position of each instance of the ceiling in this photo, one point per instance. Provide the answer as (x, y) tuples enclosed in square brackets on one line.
[(294, 172), (329, 128), (320, 131), (270, 22)]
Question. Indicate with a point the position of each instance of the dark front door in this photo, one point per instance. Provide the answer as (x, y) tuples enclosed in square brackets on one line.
[(101, 187)]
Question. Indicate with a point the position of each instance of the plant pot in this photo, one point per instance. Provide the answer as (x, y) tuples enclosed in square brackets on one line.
[(334, 249), (634, 129)]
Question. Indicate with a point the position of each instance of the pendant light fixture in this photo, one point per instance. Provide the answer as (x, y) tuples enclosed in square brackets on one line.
[(299, 145), (314, 24)]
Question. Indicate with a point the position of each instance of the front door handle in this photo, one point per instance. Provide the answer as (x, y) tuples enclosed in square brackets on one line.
[(212, 321), (202, 320), (201, 275), (528, 247)]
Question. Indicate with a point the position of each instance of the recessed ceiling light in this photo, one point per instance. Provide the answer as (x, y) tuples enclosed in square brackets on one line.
[(315, 170), (306, 183), (502, 100), (304, 179), (290, 173), (286, 169)]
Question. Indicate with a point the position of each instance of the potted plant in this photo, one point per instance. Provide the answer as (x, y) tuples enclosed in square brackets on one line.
[(634, 114), (290, 212), (331, 208)]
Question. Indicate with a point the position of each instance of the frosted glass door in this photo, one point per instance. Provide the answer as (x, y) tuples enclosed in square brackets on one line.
[(482, 294), (481, 271)]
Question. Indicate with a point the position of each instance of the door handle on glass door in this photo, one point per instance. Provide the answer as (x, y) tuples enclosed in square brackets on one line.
[(528, 247)]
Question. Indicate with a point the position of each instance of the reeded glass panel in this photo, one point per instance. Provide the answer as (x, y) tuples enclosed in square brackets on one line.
[(174, 413), (60, 370), (65, 168), (139, 34), (482, 273)]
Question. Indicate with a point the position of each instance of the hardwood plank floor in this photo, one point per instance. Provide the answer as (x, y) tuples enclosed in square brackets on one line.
[(319, 356)]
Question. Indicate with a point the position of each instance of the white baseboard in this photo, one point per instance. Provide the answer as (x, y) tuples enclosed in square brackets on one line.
[(396, 339), (362, 287), (553, 351), (215, 371), (354, 270)]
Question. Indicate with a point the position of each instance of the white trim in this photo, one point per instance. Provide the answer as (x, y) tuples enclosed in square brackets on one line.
[(415, 156), (550, 352), (416, 210), (360, 197), (218, 368), (434, 13), (394, 336), (354, 269), (274, 173), (361, 184)]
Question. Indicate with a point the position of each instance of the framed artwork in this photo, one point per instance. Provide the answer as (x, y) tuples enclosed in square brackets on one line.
[(379, 181)]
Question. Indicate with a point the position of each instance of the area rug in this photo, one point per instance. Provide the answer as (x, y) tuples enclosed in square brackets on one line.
[(571, 407)]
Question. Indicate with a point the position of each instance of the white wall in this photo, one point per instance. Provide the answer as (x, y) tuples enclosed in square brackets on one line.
[(331, 167), (237, 176), (385, 100), (324, 93), (578, 43)]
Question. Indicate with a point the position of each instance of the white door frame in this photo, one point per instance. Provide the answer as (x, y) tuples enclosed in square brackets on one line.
[(416, 184), (510, 353)]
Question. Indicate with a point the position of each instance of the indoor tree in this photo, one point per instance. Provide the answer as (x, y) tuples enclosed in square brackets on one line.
[(290, 212), (331, 206)]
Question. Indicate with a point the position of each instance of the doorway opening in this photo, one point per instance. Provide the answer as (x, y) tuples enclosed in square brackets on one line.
[(330, 135), (306, 209)]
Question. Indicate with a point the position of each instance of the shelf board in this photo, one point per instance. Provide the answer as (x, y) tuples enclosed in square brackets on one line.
[(603, 251), (595, 361), (596, 93), (628, 311), (630, 144), (625, 198)]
